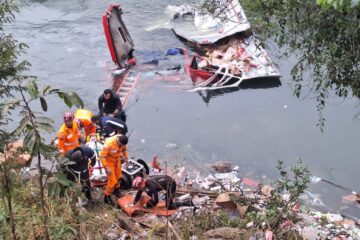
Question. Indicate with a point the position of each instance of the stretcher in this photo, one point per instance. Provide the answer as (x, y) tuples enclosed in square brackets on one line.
[(126, 204)]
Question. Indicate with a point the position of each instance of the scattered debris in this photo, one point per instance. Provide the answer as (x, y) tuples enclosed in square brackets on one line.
[(202, 26), (222, 167), (224, 233)]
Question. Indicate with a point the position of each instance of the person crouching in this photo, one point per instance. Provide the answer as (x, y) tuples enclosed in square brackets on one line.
[(78, 169), (152, 185)]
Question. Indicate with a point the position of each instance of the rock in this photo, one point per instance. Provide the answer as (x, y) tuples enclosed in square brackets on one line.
[(222, 167), (242, 210), (223, 233), (258, 236), (199, 201), (249, 224), (310, 233), (14, 154), (225, 201), (334, 217), (111, 234), (267, 191)]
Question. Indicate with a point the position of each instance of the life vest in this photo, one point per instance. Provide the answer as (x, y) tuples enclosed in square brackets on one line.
[(85, 117), (68, 138), (111, 150)]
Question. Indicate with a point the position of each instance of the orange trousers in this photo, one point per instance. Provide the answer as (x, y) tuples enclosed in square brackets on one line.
[(114, 165)]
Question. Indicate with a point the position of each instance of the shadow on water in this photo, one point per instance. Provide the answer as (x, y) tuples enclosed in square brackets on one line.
[(258, 83)]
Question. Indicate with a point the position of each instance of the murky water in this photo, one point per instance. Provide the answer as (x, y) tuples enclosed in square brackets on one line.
[(253, 126)]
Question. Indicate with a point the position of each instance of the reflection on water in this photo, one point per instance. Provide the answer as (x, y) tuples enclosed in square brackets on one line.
[(257, 83)]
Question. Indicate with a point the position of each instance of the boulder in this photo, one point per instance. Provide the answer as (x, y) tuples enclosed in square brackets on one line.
[(267, 191), (242, 210), (14, 155), (225, 201), (224, 233)]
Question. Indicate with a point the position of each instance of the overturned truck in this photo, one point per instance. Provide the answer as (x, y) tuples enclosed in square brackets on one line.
[(220, 29)]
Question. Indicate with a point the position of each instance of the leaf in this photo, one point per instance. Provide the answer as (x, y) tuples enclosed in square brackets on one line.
[(47, 89), (55, 90), (45, 127), (4, 109), (33, 89), (29, 140), (61, 178), (44, 120), (76, 100), (68, 101), (36, 147), (61, 95), (45, 149), (43, 104), (52, 189), (23, 122)]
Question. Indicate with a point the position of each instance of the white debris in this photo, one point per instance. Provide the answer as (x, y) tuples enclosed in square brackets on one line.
[(334, 217), (250, 224), (171, 145)]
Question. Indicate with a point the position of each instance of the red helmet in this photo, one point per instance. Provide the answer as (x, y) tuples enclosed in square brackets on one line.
[(68, 116), (137, 182)]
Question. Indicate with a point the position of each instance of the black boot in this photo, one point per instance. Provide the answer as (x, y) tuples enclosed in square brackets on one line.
[(108, 200), (88, 194), (117, 193)]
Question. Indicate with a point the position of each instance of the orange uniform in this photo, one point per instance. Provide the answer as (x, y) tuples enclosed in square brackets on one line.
[(85, 117), (111, 160), (68, 138)]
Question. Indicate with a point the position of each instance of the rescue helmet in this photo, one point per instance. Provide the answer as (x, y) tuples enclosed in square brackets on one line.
[(68, 116), (122, 139), (137, 182)]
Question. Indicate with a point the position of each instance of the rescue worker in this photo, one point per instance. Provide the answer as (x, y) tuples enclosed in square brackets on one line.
[(152, 185), (110, 104), (112, 154), (83, 120), (110, 125), (81, 156), (69, 136)]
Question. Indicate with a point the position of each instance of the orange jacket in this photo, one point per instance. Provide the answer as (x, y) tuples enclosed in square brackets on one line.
[(111, 152), (85, 117), (68, 138)]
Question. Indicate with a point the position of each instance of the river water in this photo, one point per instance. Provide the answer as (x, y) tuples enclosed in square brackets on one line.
[(253, 126)]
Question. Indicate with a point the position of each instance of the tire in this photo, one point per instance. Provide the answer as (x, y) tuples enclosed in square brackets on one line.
[(146, 167)]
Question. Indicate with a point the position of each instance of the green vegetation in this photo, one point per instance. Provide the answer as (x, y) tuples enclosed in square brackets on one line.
[(324, 40), (277, 209), (20, 90)]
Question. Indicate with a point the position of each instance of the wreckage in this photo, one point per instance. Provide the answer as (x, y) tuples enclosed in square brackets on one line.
[(203, 27), (232, 54)]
